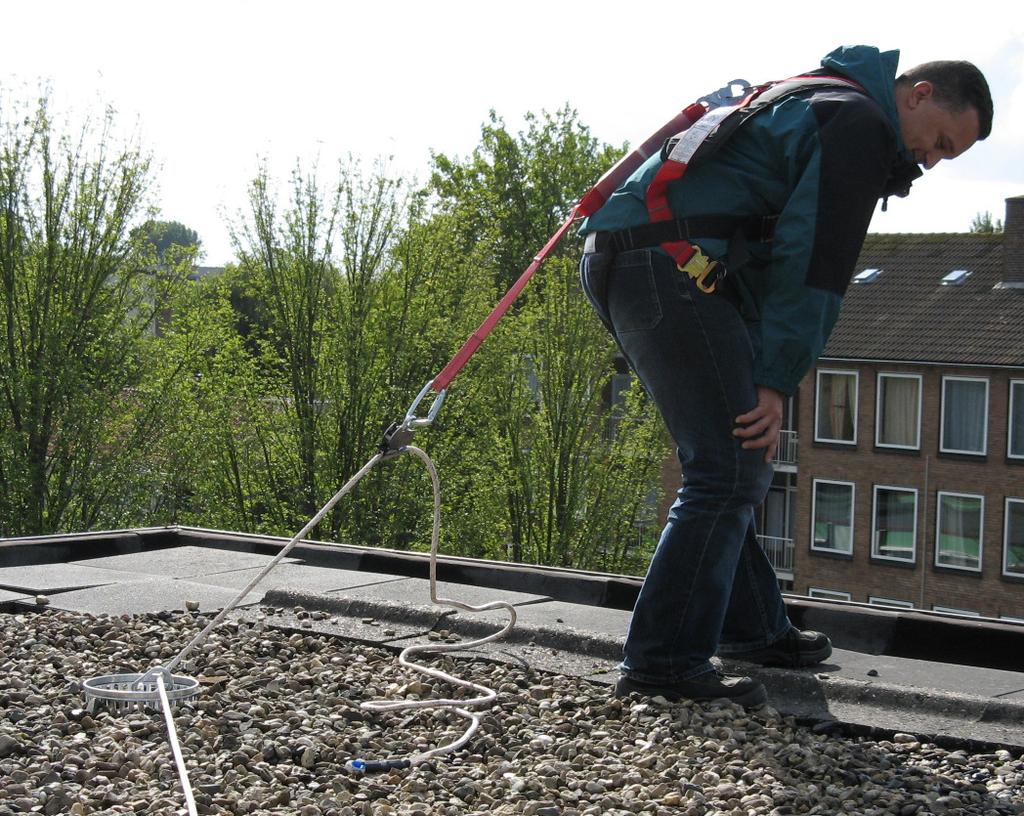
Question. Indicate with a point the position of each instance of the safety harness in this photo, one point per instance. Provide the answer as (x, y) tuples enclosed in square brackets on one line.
[(697, 143)]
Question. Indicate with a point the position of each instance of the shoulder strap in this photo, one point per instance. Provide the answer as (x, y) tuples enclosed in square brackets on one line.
[(708, 134), (760, 98)]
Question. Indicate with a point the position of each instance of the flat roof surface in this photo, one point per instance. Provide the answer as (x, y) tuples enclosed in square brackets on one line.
[(883, 675)]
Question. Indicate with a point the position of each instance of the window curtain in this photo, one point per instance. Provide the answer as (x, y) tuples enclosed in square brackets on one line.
[(1017, 419), (835, 407), (1014, 555), (899, 412), (833, 510), (960, 531), (964, 416), (894, 524)]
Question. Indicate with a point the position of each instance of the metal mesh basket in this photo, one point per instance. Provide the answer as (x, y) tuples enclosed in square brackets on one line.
[(121, 693)]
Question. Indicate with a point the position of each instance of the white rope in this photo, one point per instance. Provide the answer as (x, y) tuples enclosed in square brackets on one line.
[(486, 696), (159, 672), (263, 573), (172, 737)]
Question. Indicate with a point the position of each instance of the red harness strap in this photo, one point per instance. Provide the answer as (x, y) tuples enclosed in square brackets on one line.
[(674, 168)]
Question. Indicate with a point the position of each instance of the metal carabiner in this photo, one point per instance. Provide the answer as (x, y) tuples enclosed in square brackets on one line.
[(399, 435), (414, 423)]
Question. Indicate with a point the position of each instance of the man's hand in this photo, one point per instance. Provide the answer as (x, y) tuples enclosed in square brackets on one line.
[(759, 428)]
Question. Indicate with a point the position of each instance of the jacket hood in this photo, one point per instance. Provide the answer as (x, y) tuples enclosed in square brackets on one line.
[(876, 71)]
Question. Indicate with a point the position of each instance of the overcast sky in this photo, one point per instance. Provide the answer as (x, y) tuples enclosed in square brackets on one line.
[(212, 87)]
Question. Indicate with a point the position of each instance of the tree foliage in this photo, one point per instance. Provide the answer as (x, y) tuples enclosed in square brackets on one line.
[(984, 223), (245, 400), (550, 365), (167, 239), (77, 309)]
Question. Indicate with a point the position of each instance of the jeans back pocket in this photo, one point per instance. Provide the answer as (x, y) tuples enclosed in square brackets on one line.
[(633, 299)]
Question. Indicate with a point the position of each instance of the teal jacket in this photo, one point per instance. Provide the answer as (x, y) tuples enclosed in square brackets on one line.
[(820, 160)]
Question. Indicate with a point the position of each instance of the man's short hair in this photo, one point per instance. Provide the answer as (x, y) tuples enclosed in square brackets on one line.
[(956, 85)]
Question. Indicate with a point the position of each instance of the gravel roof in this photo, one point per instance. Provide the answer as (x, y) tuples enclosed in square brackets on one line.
[(907, 314), (280, 716)]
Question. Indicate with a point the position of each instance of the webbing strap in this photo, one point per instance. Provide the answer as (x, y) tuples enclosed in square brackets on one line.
[(451, 371), (674, 168)]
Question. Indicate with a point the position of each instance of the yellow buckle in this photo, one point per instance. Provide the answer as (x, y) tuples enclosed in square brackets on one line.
[(698, 268)]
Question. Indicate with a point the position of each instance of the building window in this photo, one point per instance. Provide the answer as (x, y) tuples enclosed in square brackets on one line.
[(894, 523), (828, 594), (1013, 539), (874, 600), (1015, 441), (959, 531), (964, 415), (952, 610), (898, 417), (836, 408), (832, 517)]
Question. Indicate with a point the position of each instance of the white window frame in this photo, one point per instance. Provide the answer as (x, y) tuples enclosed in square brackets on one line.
[(1006, 536), (828, 594), (875, 600), (878, 408), (814, 513), (942, 422), (1009, 422), (874, 525), (952, 610), (817, 404), (981, 529)]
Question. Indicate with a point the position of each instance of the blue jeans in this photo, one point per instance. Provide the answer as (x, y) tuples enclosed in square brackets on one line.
[(710, 586)]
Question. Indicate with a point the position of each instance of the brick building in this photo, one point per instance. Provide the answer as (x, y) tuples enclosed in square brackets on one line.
[(909, 486)]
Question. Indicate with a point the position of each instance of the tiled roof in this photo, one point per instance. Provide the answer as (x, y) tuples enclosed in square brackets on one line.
[(907, 314)]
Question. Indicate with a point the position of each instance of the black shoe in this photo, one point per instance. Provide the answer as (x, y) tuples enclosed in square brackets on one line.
[(794, 650), (711, 686)]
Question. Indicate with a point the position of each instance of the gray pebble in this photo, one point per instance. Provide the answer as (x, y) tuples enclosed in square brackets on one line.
[(279, 717)]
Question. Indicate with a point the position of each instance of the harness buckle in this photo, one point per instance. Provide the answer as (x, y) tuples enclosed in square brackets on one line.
[(704, 272)]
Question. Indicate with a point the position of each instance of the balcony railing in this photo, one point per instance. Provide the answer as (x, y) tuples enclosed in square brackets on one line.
[(779, 552), (786, 454)]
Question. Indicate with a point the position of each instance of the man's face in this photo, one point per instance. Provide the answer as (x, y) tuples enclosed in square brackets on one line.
[(932, 132)]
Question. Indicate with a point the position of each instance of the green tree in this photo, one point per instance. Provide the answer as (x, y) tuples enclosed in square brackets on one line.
[(216, 469), (167, 238), (512, 193), (573, 489), (77, 308), (351, 295), (984, 223)]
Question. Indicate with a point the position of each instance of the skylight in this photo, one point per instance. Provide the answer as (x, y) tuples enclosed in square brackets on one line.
[(956, 277), (867, 276)]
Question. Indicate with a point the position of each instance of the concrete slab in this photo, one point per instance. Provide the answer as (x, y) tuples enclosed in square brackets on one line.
[(931, 726), (140, 596), (533, 656), (363, 627), (874, 707), (925, 674), (294, 576), (47, 578), (6, 595), (417, 591), (595, 620), (182, 562)]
